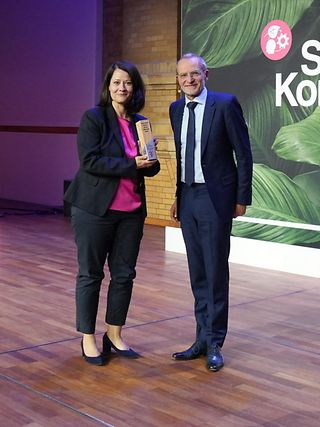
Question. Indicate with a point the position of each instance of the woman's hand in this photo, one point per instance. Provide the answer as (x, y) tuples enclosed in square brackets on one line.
[(143, 162)]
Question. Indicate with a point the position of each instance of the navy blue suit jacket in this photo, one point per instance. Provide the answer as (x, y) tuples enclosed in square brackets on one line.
[(226, 157), (103, 162)]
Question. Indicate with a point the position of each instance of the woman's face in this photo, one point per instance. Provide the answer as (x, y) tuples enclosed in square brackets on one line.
[(120, 87)]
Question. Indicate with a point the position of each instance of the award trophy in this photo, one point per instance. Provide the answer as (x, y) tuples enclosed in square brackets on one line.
[(146, 140)]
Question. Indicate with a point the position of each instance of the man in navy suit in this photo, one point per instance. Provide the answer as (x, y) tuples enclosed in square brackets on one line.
[(214, 178)]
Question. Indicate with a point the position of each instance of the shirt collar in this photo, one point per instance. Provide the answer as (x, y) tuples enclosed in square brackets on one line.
[(201, 98)]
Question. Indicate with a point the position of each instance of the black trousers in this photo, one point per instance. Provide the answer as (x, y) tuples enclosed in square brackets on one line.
[(207, 240), (114, 238)]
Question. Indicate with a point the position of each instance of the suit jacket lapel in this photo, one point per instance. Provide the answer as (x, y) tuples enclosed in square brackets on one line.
[(177, 120), (209, 112), (114, 125)]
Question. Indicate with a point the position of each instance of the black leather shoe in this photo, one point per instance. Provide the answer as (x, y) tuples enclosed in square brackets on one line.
[(107, 344), (195, 351), (215, 358), (93, 360)]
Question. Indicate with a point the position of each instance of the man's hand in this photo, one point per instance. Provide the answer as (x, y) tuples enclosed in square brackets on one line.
[(173, 211), (143, 162), (239, 210)]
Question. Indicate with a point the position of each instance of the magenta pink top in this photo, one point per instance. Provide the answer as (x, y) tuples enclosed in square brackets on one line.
[(126, 198)]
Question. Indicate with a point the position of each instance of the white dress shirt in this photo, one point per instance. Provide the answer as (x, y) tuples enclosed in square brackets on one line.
[(199, 111)]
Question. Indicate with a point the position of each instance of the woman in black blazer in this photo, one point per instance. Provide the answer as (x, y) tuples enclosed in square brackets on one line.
[(109, 207)]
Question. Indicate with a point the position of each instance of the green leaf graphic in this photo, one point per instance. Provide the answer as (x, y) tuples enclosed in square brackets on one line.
[(264, 120), (277, 197), (310, 183), (300, 141), (231, 29), (271, 233), (286, 175), (260, 111)]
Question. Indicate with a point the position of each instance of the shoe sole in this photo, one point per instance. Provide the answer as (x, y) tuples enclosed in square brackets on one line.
[(214, 369)]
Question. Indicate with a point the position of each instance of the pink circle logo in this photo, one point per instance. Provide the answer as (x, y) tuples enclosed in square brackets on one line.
[(276, 40)]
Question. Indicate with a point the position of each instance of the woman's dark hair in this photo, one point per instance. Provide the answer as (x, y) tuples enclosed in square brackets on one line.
[(137, 101)]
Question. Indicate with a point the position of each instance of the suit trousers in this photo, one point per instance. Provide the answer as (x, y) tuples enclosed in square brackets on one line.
[(115, 238), (207, 240)]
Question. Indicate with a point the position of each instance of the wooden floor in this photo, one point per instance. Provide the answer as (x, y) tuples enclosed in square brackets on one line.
[(272, 353)]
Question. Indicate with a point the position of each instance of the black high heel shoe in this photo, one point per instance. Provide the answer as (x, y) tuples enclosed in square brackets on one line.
[(94, 360), (107, 344)]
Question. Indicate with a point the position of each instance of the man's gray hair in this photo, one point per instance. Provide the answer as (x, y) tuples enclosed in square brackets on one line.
[(202, 62)]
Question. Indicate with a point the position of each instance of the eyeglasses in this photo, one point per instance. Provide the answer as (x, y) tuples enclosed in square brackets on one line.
[(193, 74)]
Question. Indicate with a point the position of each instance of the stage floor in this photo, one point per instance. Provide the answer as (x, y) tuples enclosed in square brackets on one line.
[(271, 376)]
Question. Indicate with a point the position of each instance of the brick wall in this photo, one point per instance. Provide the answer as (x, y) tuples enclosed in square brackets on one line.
[(112, 32), (147, 33)]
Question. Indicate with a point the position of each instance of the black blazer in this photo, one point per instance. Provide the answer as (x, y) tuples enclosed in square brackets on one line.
[(224, 136), (103, 162)]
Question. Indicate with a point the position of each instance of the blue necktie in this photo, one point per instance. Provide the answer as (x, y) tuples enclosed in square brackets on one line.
[(190, 144)]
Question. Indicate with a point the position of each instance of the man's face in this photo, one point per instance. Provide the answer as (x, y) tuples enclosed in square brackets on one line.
[(191, 77)]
